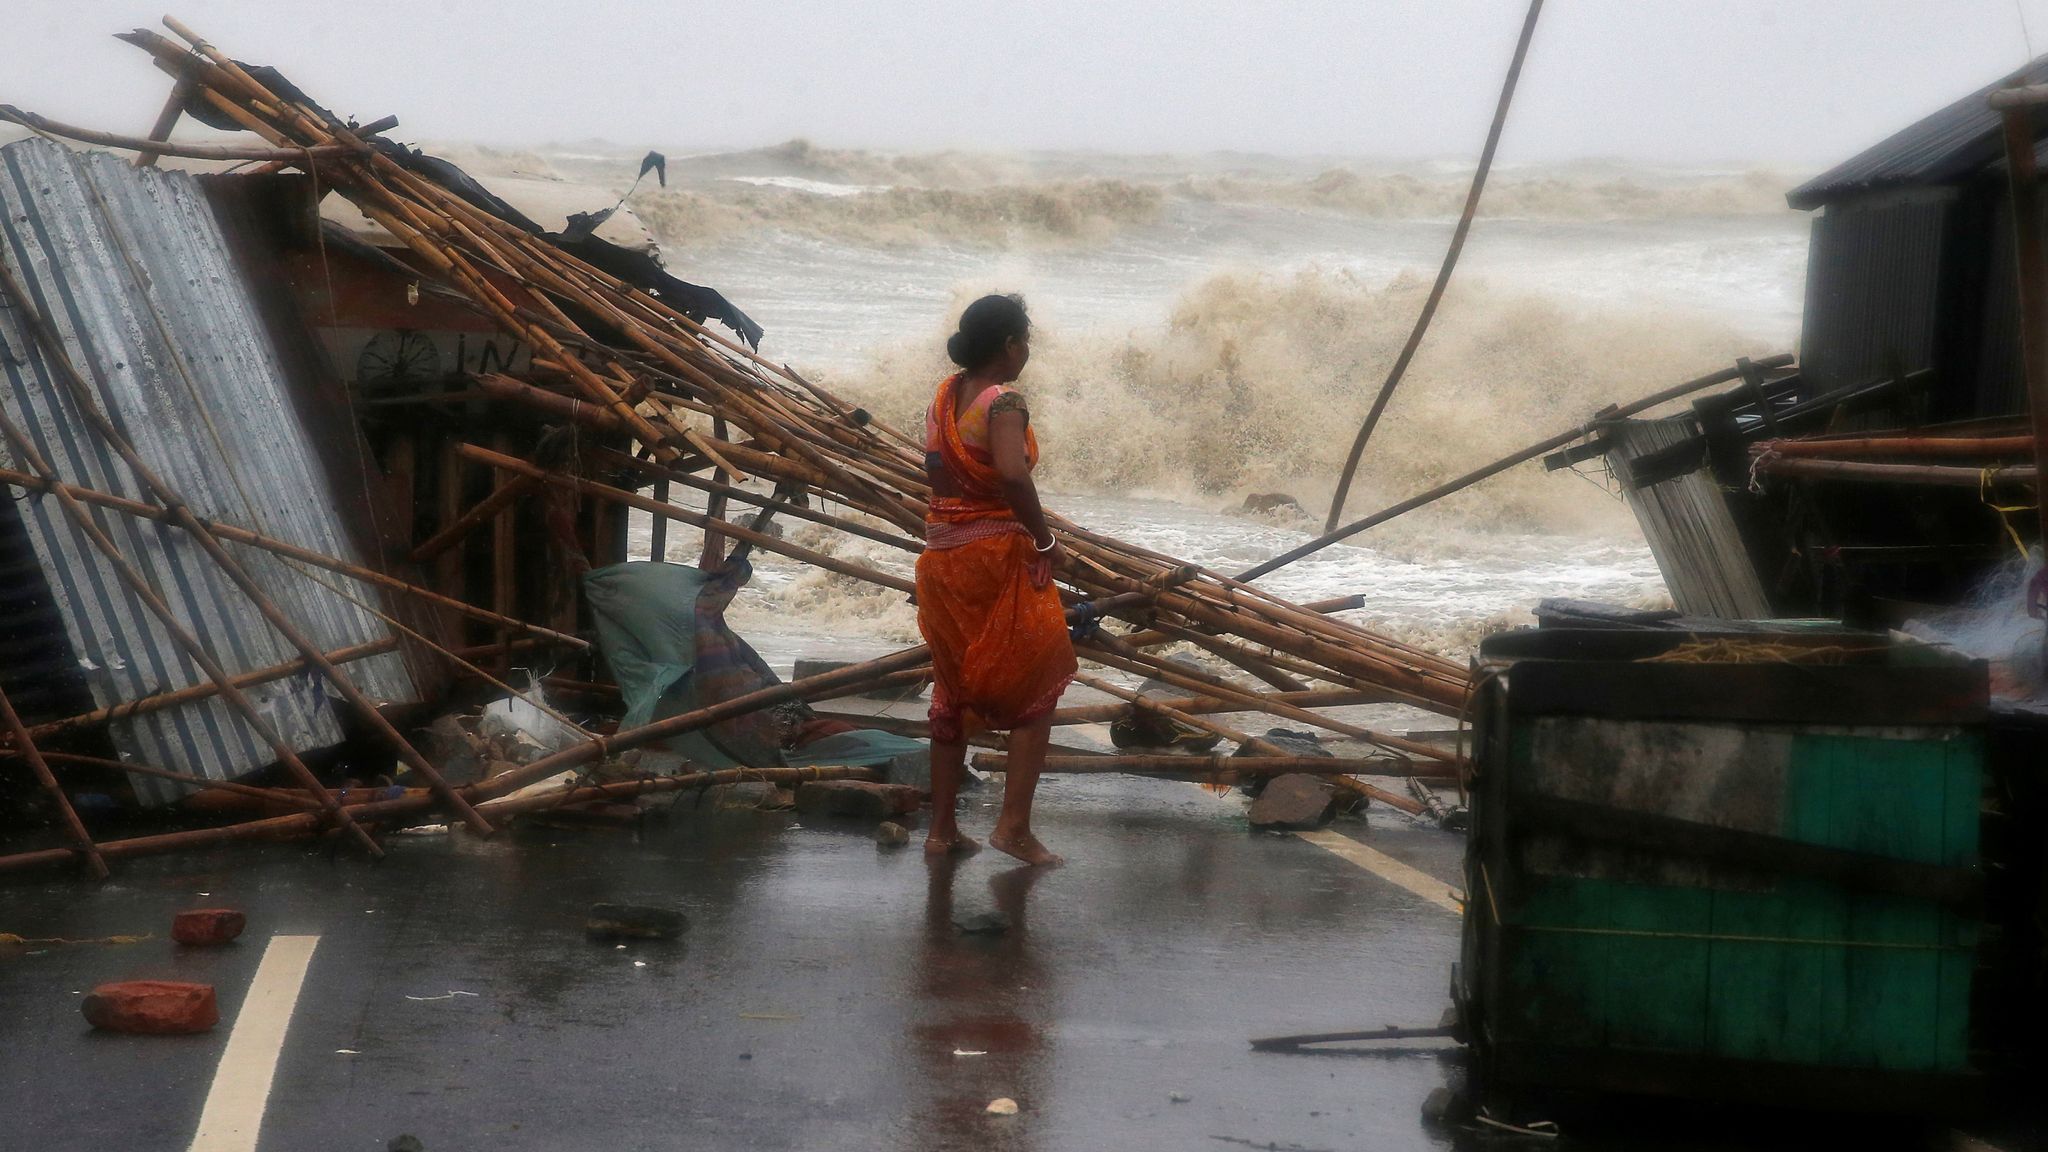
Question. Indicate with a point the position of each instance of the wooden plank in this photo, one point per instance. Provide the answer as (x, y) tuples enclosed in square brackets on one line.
[(1765, 693), (657, 528), (504, 545)]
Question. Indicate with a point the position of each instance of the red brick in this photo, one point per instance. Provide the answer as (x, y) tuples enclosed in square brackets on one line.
[(207, 926), (152, 1007)]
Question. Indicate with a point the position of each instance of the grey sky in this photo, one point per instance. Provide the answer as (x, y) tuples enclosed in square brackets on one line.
[(1800, 83)]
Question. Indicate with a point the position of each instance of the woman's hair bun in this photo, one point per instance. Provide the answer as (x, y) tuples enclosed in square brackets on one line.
[(985, 327)]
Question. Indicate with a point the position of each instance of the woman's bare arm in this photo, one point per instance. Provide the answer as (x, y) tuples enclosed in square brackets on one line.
[(1013, 464)]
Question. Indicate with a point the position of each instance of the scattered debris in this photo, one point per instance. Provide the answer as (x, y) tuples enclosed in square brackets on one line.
[(451, 994), (633, 922), (982, 924), (202, 926), (969, 1052), (1297, 803), (152, 1007), (1001, 1106)]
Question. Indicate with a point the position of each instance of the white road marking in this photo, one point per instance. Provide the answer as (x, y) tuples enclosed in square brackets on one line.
[(233, 1117), (1383, 866), (1389, 869)]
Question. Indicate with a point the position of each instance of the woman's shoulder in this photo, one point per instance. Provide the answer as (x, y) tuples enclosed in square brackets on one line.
[(1001, 398)]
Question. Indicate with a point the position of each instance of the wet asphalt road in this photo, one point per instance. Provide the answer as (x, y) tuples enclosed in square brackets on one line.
[(817, 1002)]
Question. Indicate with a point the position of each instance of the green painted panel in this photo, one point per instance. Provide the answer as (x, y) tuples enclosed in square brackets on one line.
[(1735, 977)]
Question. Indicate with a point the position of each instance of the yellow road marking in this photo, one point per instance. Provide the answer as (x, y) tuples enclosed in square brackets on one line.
[(233, 1117), (1389, 869)]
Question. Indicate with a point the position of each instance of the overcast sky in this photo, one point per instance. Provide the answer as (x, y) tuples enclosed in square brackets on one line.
[(1798, 82)]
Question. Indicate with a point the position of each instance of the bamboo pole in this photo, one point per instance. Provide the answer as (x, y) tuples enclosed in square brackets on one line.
[(54, 353), (268, 795), (1920, 475), (25, 747), (1315, 698), (1168, 763), (1976, 446), (740, 495), (161, 700), (239, 535), (482, 511), (684, 515), (1215, 686), (166, 120), (151, 147)]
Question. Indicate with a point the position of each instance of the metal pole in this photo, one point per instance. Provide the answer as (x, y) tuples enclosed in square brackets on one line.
[(2033, 289)]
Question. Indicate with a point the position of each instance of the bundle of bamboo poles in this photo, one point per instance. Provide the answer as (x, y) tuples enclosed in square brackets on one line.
[(618, 359)]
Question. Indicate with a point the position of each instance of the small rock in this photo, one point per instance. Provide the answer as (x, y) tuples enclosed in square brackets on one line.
[(152, 1007), (1178, 1097), (633, 922), (891, 835), (1443, 1106), (1267, 503), (405, 1144), (201, 926), (1294, 803), (982, 924), (1002, 1106), (857, 798)]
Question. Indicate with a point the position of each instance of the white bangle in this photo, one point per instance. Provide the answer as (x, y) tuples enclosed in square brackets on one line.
[(1048, 545)]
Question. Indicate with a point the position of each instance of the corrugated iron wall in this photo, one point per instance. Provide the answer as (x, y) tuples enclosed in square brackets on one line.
[(132, 265), (1873, 288)]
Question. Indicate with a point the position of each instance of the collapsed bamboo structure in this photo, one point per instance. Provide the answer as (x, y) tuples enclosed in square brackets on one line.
[(707, 413)]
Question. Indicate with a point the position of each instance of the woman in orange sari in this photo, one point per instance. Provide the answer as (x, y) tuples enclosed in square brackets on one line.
[(986, 602)]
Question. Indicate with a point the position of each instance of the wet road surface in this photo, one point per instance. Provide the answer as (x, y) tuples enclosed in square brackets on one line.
[(817, 1001)]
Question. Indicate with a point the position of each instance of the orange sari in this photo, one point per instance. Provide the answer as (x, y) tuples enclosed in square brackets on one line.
[(1000, 651)]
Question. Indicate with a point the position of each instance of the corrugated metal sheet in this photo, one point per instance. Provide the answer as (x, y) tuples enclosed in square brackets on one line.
[(185, 369), (1688, 526), (1873, 289), (1942, 148)]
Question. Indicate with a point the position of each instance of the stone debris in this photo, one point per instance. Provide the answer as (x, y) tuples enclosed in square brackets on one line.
[(203, 926), (152, 1007), (857, 798), (982, 924), (633, 922), (889, 834), (1002, 1106), (1294, 803)]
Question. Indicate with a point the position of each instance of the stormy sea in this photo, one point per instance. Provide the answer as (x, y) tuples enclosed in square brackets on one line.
[(1213, 327)]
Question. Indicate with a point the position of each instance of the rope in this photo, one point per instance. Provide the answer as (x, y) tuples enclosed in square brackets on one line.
[(2005, 511), (1730, 651)]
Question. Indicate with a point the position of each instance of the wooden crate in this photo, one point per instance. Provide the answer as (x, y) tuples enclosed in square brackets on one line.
[(1744, 880)]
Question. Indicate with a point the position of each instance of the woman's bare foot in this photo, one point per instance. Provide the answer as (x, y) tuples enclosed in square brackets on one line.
[(954, 845), (1026, 848)]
